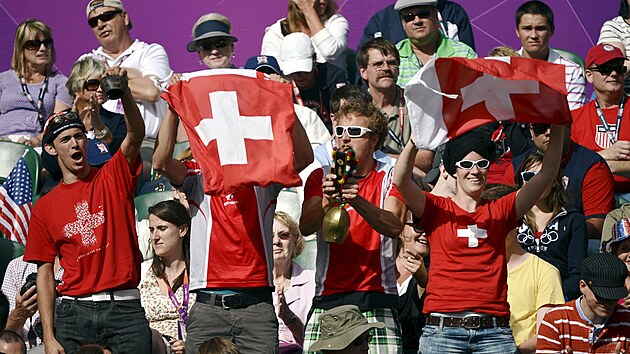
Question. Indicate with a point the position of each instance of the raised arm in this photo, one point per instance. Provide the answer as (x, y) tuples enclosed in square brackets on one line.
[(132, 142), (302, 151), (412, 194), (163, 160), (46, 304), (385, 222), (534, 189)]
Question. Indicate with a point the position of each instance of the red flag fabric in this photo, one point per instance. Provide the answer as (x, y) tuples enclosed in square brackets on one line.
[(451, 96), (239, 125)]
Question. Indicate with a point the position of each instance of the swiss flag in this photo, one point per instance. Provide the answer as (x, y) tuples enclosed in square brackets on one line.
[(239, 125), (451, 96)]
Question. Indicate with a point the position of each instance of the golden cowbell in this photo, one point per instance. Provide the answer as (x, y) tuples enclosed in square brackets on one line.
[(336, 224)]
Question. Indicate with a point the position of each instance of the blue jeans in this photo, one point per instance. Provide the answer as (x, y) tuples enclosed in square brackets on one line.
[(119, 324), (452, 340)]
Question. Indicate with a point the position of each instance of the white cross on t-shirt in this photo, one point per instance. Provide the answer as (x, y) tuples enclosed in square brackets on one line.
[(85, 224), (230, 129), (473, 233)]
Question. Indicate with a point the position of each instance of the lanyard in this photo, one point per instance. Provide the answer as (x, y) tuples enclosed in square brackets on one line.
[(612, 137), (399, 139), (296, 93), (40, 98), (322, 112), (182, 309)]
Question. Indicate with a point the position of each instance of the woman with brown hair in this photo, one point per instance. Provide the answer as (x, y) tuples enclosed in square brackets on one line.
[(320, 21), (31, 90), (550, 231), (164, 292)]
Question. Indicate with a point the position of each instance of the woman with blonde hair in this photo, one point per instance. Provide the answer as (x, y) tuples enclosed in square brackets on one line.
[(295, 286), (320, 21), (31, 90)]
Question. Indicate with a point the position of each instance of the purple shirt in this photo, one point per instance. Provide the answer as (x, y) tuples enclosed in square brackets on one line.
[(17, 114)]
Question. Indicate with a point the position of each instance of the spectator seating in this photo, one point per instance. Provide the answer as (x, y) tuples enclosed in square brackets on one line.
[(9, 250), (144, 201), (11, 153), (571, 56)]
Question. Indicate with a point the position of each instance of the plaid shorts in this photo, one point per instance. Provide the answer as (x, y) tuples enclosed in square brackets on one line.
[(384, 341)]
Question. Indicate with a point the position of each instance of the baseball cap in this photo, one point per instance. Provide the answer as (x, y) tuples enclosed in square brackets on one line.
[(603, 53), (296, 53), (95, 4), (264, 63), (606, 275), (341, 325), (403, 4), (60, 121), (209, 29)]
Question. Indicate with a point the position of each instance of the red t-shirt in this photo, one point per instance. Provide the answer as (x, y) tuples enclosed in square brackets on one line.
[(588, 131), (365, 261), (91, 224), (231, 236), (468, 268)]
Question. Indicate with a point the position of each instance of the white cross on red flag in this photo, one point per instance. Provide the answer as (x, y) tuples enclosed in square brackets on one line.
[(451, 96), (239, 125)]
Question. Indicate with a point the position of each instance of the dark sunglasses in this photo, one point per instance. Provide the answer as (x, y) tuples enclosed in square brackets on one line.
[(35, 44), (209, 45), (527, 175), (60, 117), (104, 17), (91, 84), (410, 16), (540, 128), (607, 69), (362, 339), (469, 164), (353, 131), (416, 228)]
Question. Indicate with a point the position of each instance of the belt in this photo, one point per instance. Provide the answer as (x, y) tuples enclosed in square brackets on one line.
[(468, 322), (118, 295), (234, 301)]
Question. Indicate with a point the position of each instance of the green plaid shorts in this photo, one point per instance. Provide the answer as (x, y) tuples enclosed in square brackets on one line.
[(384, 341)]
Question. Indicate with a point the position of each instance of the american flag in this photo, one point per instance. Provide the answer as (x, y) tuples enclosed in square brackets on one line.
[(16, 203)]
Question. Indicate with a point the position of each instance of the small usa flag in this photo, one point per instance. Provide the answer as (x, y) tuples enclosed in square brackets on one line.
[(16, 203)]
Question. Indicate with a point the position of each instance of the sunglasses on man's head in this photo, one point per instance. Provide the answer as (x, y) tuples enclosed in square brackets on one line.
[(104, 17), (211, 44), (527, 175), (607, 69), (540, 128), (469, 164), (35, 44), (410, 16), (60, 117), (353, 131), (91, 84)]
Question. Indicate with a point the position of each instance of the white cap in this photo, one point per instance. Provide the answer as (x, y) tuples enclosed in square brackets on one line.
[(403, 4), (296, 53)]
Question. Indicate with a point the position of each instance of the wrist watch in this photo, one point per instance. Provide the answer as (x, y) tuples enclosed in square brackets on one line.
[(102, 133)]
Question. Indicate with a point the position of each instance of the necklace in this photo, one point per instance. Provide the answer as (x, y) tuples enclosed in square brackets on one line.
[(40, 99)]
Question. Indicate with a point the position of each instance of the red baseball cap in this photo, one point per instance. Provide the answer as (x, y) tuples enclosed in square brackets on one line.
[(603, 53)]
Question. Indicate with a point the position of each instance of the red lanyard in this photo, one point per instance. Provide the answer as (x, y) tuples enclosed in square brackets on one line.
[(401, 111)]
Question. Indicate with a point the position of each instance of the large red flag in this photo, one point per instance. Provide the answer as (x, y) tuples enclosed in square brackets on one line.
[(451, 96), (239, 125)]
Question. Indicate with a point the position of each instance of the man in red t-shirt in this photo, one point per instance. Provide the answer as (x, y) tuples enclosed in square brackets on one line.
[(361, 270), (603, 125), (89, 222), (231, 258)]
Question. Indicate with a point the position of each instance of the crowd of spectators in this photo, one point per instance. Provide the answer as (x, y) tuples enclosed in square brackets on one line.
[(489, 244)]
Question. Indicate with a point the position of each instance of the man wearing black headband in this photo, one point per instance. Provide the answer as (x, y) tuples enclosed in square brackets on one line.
[(89, 221), (466, 303)]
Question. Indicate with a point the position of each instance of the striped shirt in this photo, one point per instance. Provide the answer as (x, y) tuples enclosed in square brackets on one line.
[(410, 64), (573, 78), (566, 325), (617, 30)]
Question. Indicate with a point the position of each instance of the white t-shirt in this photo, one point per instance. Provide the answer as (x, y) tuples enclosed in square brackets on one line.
[(149, 59)]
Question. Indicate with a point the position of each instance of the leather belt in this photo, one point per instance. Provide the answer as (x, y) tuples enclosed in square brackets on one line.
[(118, 295), (234, 301), (468, 322)]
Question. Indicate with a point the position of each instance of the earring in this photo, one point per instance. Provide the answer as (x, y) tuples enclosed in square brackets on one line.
[(200, 62)]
